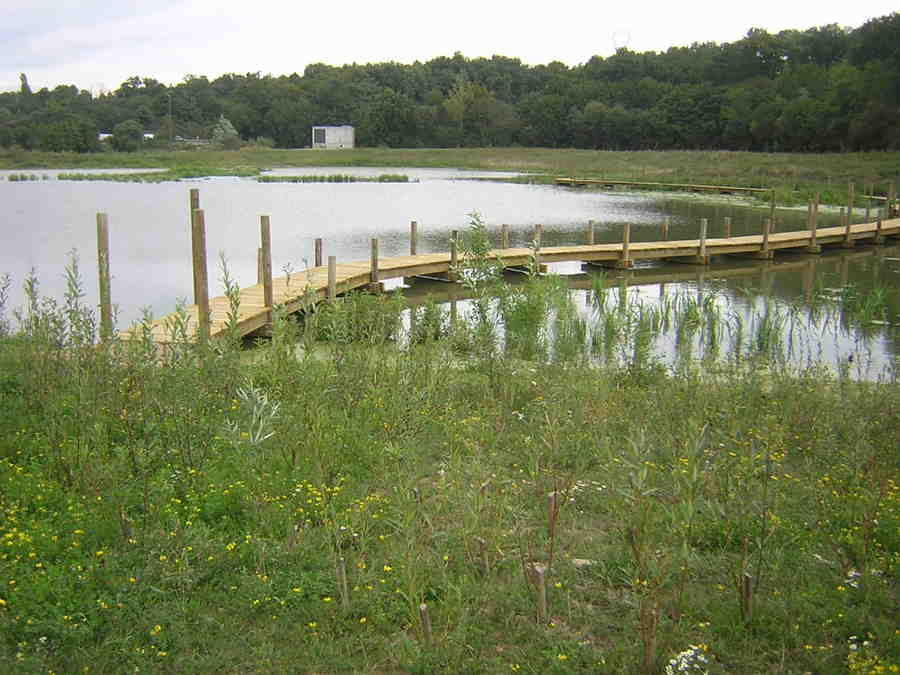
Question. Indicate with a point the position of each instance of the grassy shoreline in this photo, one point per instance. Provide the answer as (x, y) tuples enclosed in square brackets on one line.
[(804, 172)]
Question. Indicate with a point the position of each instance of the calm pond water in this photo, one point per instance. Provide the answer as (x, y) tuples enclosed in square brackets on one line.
[(44, 220)]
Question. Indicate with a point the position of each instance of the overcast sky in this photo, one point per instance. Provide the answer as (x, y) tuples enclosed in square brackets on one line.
[(97, 45)]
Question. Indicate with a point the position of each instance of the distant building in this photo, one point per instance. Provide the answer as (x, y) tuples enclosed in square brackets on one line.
[(333, 138)]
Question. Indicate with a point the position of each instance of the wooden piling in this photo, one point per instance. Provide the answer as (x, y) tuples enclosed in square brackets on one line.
[(504, 236), (259, 267), (772, 211), (845, 218), (332, 277), (413, 237), (727, 231), (764, 253), (665, 229), (538, 235), (201, 283), (373, 274), (625, 259), (265, 240), (704, 224), (813, 225), (317, 252), (590, 233), (879, 237), (193, 205), (851, 197), (106, 323)]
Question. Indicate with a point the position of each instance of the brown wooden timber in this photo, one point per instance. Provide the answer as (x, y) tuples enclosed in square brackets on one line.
[(106, 323), (290, 291)]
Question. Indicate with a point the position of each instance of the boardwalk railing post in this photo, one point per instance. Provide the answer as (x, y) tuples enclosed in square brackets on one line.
[(453, 273), (891, 198), (625, 260), (194, 204), (851, 197), (764, 252), (413, 237), (260, 275), (727, 232), (813, 225), (772, 212), (317, 252), (106, 325), (704, 224), (590, 233), (845, 218), (879, 237), (201, 284), (504, 236), (332, 277), (265, 239), (665, 229), (373, 276)]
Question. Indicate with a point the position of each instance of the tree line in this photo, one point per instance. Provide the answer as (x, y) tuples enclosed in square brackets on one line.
[(827, 88)]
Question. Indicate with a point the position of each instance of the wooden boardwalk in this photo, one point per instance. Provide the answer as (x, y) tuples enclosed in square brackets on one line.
[(305, 288)]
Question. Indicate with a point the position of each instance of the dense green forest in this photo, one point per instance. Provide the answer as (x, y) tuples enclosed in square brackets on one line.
[(823, 89)]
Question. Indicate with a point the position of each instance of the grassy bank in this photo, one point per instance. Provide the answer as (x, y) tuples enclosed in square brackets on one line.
[(804, 173), (444, 504)]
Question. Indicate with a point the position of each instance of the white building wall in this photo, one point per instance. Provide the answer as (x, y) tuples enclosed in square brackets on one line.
[(335, 137)]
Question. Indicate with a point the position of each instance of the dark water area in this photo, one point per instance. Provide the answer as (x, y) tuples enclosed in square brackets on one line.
[(44, 220)]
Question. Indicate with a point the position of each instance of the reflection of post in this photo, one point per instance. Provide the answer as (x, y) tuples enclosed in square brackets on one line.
[(106, 326), (201, 285), (662, 290), (845, 270), (413, 238), (590, 233), (701, 283), (809, 273), (453, 313)]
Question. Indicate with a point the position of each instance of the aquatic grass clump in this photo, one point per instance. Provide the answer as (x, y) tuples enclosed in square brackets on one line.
[(336, 178)]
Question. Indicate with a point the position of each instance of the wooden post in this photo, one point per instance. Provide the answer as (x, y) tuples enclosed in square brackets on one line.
[(259, 267), (194, 204), (879, 237), (452, 275), (772, 212), (727, 232), (590, 233), (704, 224), (373, 275), (504, 236), (813, 224), (851, 197), (332, 277), (891, 198), (665, 229), (317, 252), (201, 284), (413, 238), (538, 235), (764, 252), (265, 240), (845, 218), (625, 260), (426, 623), (106, 324)]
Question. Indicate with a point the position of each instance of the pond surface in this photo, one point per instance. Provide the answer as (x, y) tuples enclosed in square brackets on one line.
[(150, 246)]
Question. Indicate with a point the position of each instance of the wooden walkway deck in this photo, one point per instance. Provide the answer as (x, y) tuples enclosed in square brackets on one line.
[(311, 286)]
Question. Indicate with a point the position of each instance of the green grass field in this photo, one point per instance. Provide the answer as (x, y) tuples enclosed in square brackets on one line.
[(339, 500)]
